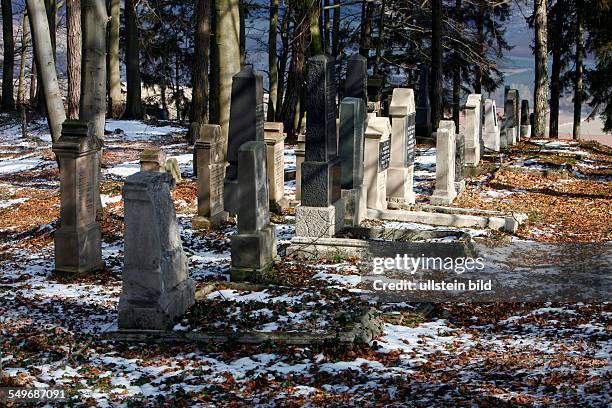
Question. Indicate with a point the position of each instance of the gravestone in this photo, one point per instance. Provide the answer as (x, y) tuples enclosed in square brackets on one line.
[(275, 142), (532, 123), (211, 165), (156, 286), (254, 247), (153, 160), (78, 247), (445, 192), (300, 152), (400, 174), (377, 157), (193, 133), (173, 168), (512, 116), (356, 84), (423, 108), (459, 163), (525, 124), (473, 129), (321, 210), (353, 120), (505, 133), (246, 124), (491, 133), (513, 95)]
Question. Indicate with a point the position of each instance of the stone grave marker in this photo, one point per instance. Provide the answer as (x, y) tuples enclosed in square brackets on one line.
[(246, 124), (505, 133), (473, 129), (459, 163), (300, 152), (153, 160), (511, 115), (352, 127), (445, 192), (525, 123), (400, 174), (356, 84), (209, 151), (275, 142), (254, 247), (78, 245), (423, 108), (321, 212), (377, 159), (173, 168), (156, 286), (491, 133)]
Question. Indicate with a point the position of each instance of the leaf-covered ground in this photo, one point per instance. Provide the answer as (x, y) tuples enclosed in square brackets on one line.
[(52, 331)]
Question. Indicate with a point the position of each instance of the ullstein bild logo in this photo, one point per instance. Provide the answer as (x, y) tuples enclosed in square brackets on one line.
[(432, 285)]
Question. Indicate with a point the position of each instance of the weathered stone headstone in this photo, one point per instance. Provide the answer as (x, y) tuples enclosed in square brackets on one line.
[(254, 247), (473, 129), (377, 159), (356, 84), (525, 124), (423, 108), (511, 111), (209, 151), (400, 175), (491, 133), (505, 133), (321, 211), (353, 120), (532, 123), (300, 153), (193, 132), (173, 168), (156, 284), (246, 124), (153, 160), (275, 142), (445, 192), (459, 163), (78, 247)]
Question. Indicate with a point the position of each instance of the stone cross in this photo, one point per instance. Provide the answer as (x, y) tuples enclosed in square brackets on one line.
[(377, 159), (525, 124), (473, 128), (211, 165), (403, 143), (491, 134), (78, 247), (153, 160), (246, 124), (356, 84), (321, 211), (445, 192), (156, 284), (300, 152), (353, 120), (423, 108), (254, 247), (275, 142)]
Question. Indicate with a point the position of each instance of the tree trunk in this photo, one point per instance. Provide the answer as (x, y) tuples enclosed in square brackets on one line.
[(114, 74), (555, 84), (273, 92), (480, 37), (327, 27), (213, 101), (457, 72), (381, 31), (199, 100), (228, 46), (24, 48), (540, 98), (133, 108), (43, 49), (8, 100), (242, 12), (33, 80), (73, 23), (336, 29), (93, 69), (282, 66), (436, 63), (51, 11), (314, 14), (579, 69), (366, 29)]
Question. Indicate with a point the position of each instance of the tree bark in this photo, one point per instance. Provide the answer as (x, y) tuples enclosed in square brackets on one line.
[(272, 69), (436, 63), (8, 100), (327, 27), (316, 41), (213, 101), (43, 49), (24, 48), (381, 31), (282, 66), (366, 29), (578, 85), (133, 108), (457, 72), (51, 11), (242, 12), (73, 23), (480, 36), (336, 29), (228, 46), (540, 98), (114, 74), (33, 81), (199, 100)]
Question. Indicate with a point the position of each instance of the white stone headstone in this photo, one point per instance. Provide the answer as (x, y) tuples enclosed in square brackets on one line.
[(491, 134), (445, 192)]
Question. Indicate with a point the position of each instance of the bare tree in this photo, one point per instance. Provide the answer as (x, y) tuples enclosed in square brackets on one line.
[(133, 108), (436, 63), (8, 101), (273, 92), (540, 98), (73, 22), (199, 102), (578, 76), (114, 75)]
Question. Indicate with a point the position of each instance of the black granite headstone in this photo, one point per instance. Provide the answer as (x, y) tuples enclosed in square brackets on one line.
[(356, 84), (525, 112), (352, 128)]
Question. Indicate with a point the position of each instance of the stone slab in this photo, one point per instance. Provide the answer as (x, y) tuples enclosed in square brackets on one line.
[(319, 221)]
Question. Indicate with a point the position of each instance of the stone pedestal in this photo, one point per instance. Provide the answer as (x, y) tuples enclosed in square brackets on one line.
[(377, 158), (491, 134), (319, 221), (78, 247), (445, 193), (153, 160), (300, 152), (355, 205), (400, 175), (254, 247), (156, 286), (473, 129), (525, 131), (275, 142), (211, 165)]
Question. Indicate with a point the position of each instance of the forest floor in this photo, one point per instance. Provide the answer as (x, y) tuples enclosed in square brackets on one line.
[(531, 354)]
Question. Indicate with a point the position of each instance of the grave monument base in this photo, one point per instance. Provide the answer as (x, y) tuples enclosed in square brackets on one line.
[(398, 195), (252, 254), (442, 197), (319, 221), (202, 223), (78, 250), (355, 205), (525, 131), (459, 186)]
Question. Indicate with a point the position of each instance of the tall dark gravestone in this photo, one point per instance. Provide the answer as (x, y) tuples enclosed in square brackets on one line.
[(423, 108), (246, 125), (321, 211), (356, 84), (525, 123)]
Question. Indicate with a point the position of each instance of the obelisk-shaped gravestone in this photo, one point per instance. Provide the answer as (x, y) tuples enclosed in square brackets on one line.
[(78, 247), (356, 84), (525, 124), (321, 211), (423, 108), (246, 124)]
